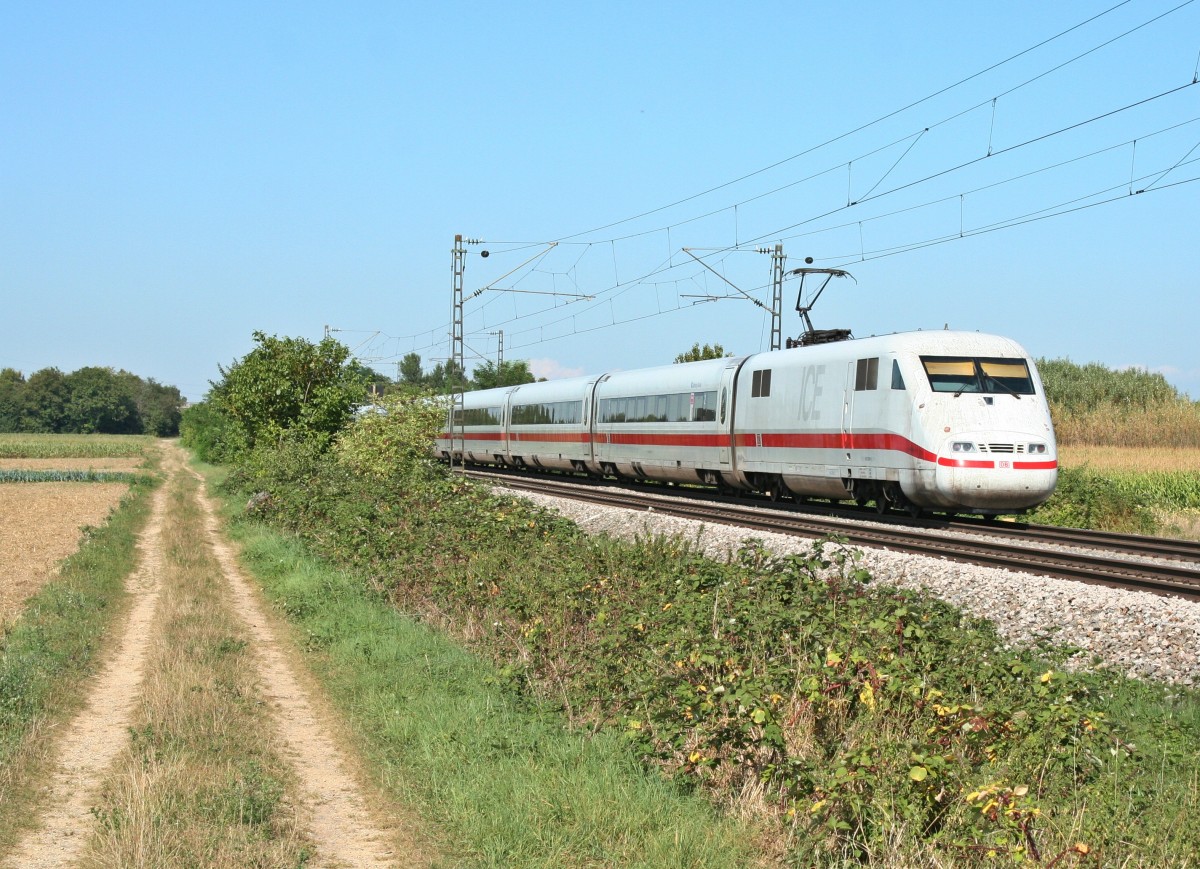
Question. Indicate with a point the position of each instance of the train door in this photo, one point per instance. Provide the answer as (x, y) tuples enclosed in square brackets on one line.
[(897, 402), (726, 414), (848, 408), (590, 416)]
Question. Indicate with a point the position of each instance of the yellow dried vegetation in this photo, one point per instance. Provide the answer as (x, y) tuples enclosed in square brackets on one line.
[(1131, 459)]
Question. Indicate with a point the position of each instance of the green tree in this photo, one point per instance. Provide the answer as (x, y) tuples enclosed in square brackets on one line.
[(12, 398), (490, 375), (411, 372), (290, 385), (159, 407), (100, 400), (446, 377), (377, 384), (716, 351), (46, 394)]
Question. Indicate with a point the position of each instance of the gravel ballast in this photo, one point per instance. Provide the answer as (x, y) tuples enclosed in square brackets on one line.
[(1140, 634)]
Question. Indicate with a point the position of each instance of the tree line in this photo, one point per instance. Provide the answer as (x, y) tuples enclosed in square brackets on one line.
[(294, 389), (92, 400), (448, 376)]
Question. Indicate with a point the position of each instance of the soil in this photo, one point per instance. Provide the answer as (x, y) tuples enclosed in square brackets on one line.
[(346, 827), (40, 525)]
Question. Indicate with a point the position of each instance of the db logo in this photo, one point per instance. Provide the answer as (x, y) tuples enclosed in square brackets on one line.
[(1004, 464)]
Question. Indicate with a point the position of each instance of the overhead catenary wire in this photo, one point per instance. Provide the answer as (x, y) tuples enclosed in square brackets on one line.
[(860, 128), (619, 285), (1017, 220)]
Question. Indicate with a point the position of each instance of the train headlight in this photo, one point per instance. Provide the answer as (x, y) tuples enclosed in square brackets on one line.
[(962, 447), (1037, 449)]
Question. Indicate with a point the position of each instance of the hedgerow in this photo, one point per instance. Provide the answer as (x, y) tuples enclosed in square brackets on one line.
[(861, 719)]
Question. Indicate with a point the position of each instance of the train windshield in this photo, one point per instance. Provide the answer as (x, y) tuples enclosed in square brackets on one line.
[(959, 374)]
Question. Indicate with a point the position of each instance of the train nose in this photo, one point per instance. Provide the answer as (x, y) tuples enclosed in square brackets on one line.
[(997, 472)]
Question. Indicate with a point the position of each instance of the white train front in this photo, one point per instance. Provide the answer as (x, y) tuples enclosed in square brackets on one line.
[(953, 422)]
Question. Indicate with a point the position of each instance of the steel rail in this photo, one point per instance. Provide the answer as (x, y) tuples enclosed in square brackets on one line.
[(1131, 544), (910, 538)]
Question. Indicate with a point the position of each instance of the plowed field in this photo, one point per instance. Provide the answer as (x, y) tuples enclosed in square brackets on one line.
[(40, 525)]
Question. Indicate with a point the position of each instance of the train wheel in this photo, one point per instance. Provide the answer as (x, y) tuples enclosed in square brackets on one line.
[(774, 488)]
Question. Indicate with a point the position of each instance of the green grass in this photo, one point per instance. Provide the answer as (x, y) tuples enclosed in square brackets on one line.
[(56, 446), (47, 652), (505, 780)]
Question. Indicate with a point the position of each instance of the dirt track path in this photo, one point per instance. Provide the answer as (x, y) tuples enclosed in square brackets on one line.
[(343, 829)]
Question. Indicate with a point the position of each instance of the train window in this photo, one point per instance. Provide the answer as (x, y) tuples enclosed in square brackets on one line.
[(477, 416), (760, 383), (897, 377), (959, 374), (705, 408), (867, 375), (672, 407), (723, 394), (548, 413), (1006, 375)]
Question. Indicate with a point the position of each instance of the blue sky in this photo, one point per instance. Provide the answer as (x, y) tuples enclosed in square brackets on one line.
[(174, 176)]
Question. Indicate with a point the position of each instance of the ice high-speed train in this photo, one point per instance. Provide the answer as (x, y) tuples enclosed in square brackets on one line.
[(952, 422)]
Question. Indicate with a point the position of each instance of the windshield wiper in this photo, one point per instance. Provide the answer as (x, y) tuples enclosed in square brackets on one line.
[(978, 379), (1005, 387)]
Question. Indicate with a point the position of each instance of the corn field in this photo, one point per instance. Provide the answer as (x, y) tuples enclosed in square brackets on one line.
[(1173, 425), (59, 446)]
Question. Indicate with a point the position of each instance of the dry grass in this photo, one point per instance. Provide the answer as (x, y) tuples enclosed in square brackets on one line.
[(1131, 459), (1173, 425), (40, 525), (202, 782)]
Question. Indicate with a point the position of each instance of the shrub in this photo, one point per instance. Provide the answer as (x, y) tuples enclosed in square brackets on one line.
[(394, 440), (1087, 499), (289, 385), (212, 435)]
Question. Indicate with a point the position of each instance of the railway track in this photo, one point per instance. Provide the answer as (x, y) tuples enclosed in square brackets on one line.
[(1165, 567)]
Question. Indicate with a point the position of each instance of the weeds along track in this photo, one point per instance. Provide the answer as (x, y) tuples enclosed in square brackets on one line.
[(1119, 561)]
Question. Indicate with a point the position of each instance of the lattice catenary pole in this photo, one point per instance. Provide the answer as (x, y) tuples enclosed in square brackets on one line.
[(777, 260), (457, 433)]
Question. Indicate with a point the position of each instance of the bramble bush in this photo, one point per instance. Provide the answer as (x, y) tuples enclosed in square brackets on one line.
[(854, 716)]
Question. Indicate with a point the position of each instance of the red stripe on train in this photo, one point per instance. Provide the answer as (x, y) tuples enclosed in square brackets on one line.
[(768, 440)]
